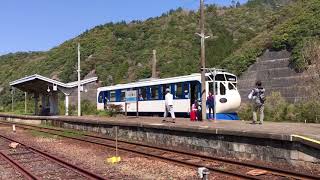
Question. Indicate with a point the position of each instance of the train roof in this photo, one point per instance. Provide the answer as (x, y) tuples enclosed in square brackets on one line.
[(156, 81)]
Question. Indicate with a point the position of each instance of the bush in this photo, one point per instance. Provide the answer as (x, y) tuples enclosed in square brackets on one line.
[(245, 112), (308, 111), (113, 110), (88, 108), (277, 109)]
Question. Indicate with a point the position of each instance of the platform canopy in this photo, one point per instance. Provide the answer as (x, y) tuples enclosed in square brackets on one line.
[(47, 90), (40, 84)]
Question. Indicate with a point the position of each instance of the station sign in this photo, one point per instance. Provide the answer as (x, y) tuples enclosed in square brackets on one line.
[(131, 96)]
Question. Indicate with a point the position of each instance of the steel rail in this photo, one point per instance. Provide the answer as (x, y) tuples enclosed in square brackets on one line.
[(235, 174), (27, 174), (275, 171), (58, 160)]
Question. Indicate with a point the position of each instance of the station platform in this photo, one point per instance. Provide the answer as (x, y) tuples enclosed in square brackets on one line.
[(277, 130), (308, 133), (297, 144)]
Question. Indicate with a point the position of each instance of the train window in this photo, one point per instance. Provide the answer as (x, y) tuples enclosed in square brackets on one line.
[(235, 85), (179, 90), (186, 90), (231, 86), (197, 92), (219, 77), (211, 88), (231, 78), (142, 93), (107, 98), (164, 87), (112, 96), (123, 95), (222, 89), (100, 98), (154, 93)]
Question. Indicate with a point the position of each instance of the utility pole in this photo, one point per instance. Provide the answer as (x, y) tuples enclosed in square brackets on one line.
[(79, 96), (203, 62), (154, 64)]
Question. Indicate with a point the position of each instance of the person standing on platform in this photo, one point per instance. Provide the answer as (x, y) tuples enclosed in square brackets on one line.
[(257, 95), (168, 106), (210, 105)]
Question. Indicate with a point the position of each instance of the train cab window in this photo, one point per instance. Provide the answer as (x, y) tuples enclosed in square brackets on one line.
[(235, 85), (154, 92), (231, 86), (142, 93), (123, 95), (231, 78), (211, 88), (179, 90), (222, 89), (220, 77), (112, 96)]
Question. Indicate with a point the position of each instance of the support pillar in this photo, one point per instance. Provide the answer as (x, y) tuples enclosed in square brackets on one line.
[(43, 104), (67, 93), (53, 100), (36, 101), (67, 105)]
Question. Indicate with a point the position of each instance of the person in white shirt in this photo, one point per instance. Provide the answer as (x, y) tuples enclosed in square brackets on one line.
[(169, 106)]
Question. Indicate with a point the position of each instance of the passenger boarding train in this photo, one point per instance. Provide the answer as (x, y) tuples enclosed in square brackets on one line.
[(185, 90)]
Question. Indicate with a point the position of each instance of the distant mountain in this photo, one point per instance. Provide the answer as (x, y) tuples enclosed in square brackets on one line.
[(121, 52)]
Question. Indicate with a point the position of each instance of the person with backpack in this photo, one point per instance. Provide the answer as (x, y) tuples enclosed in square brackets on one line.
[(257, 95)]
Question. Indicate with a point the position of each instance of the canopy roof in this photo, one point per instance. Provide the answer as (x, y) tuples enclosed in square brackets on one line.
[(40, 84)]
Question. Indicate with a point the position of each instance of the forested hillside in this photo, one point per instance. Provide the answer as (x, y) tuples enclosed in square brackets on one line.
[(121, 52)]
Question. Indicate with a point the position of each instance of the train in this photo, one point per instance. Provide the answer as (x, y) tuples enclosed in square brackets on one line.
[(185, 90)]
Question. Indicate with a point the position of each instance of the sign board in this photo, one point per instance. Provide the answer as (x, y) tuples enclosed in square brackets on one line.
[(131, 96)]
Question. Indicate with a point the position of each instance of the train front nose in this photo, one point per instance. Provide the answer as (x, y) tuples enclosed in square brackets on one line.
[(230, 103)]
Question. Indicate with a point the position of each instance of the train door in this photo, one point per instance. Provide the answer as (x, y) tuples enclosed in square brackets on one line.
[(194, 91)]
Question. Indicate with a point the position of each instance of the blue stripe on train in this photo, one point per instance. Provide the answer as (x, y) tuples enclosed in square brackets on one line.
[(220, 116), (226, 116)]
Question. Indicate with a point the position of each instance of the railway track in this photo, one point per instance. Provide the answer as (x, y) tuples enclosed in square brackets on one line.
[(216, 165), (26, 162)]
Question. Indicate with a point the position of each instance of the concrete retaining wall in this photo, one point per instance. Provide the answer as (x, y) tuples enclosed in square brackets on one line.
[(273, 69)]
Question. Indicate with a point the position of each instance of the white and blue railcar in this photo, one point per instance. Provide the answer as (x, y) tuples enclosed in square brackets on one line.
[(185, 89)]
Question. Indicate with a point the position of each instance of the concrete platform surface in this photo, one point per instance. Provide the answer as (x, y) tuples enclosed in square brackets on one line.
[(267, 128), (274, 130)]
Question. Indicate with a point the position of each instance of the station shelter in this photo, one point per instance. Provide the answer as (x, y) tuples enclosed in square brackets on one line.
[(46, 90)]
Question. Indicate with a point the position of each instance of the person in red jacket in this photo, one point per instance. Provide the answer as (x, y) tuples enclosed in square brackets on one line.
[(194, 111)]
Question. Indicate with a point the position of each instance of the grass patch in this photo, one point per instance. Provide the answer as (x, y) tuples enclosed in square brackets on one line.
[(36, 133), (72, 133), (63, 132)]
